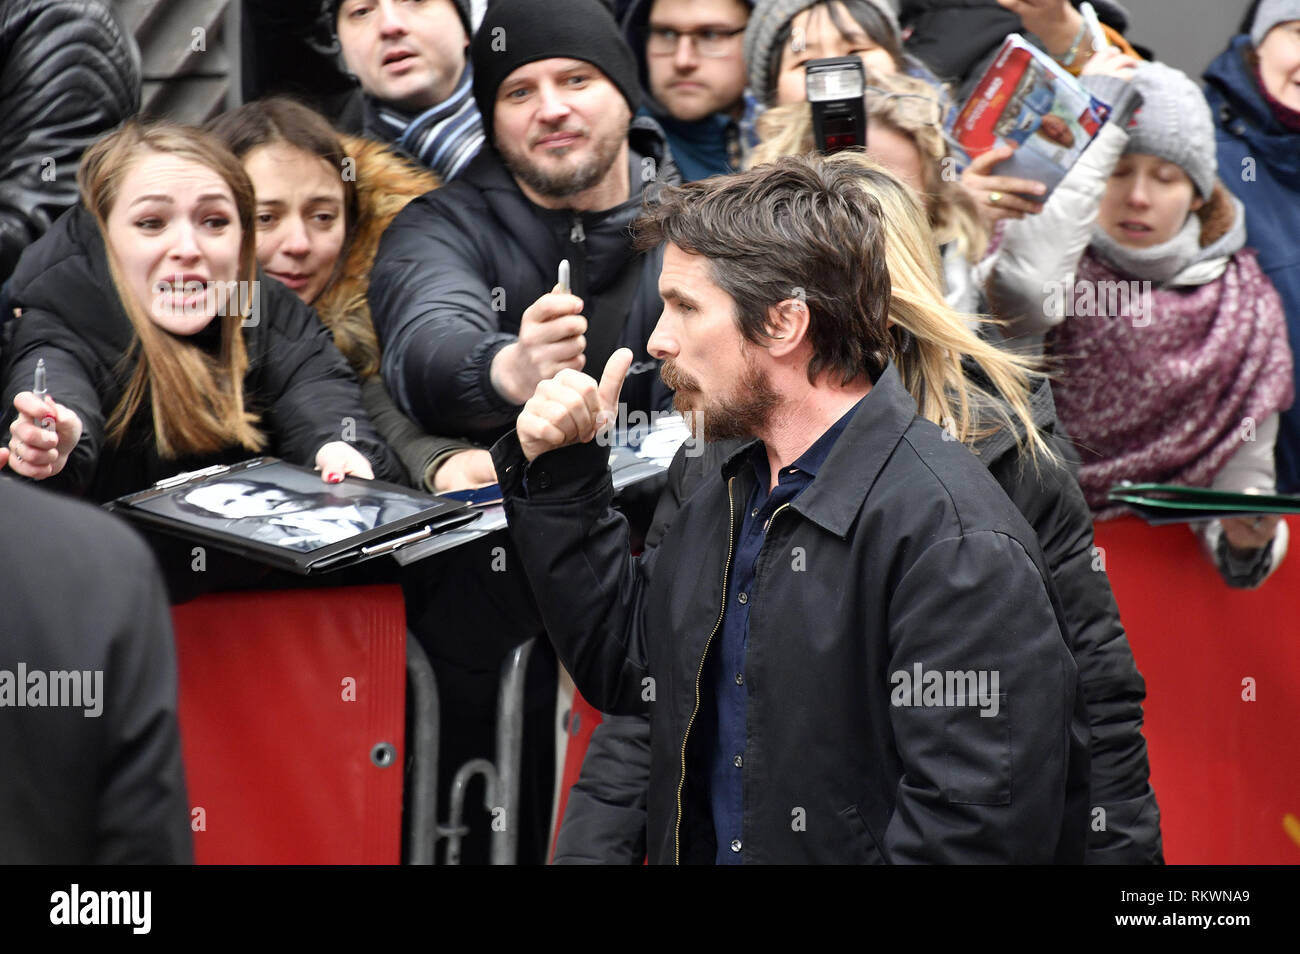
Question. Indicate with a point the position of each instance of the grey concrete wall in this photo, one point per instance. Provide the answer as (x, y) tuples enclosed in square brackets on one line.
[(1185, 33)]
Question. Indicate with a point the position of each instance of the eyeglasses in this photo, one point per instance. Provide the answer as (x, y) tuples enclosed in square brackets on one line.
[(708, 42), (915, 108)]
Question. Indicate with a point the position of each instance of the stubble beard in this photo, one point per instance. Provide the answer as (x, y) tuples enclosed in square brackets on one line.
[(565, 182)]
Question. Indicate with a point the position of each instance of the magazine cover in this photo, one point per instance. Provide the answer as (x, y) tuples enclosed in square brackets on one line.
[(1025, 100)]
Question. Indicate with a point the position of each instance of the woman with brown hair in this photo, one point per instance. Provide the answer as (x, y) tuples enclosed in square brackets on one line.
[(166, 349), (323, 201)]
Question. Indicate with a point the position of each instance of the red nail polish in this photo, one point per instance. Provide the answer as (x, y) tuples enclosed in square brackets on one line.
[(333, 478)]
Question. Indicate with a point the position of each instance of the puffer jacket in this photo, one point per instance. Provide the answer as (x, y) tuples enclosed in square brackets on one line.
[(458, 267), (68, 74), (604, 822), (299, 384), (1259, 161), (910, 554), (386, 183)]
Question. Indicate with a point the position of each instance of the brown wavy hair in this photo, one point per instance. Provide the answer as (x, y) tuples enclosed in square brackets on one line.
[(279, 120), (197, 401)]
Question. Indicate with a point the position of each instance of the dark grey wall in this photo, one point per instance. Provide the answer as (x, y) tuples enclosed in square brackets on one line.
[(1185, 33)]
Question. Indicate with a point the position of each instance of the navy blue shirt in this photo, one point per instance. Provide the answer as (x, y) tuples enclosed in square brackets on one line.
[(724, 673)]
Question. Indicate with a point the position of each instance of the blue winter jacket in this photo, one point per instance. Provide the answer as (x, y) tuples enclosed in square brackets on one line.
[(1259, 161)]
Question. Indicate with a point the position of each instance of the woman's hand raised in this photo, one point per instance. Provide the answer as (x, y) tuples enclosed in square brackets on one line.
[(42, 436)]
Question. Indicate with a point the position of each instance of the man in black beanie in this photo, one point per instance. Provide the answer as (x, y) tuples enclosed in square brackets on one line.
[(463, 296), (410, 62)]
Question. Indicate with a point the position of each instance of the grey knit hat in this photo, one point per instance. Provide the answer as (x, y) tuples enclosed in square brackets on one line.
[(1174, 123), (1269, 15), (769, 18)]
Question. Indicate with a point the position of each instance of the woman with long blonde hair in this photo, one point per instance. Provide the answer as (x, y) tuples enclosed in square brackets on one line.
[(163, 345)]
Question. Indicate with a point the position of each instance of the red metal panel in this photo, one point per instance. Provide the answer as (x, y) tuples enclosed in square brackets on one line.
[(1224, 769), (283, 695), (584, 719)]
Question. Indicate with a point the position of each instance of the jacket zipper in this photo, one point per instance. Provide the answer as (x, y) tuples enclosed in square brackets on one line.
[(726, 570)]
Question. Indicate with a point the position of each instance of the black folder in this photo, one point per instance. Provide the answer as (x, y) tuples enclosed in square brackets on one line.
[(285, 516)]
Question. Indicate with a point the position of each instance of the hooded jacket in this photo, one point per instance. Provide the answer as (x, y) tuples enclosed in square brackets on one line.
[(605, 819), (68, 74), (386, 183), (907, 556), (458, 267), (711, 146), (296, 380), (1260, 160)]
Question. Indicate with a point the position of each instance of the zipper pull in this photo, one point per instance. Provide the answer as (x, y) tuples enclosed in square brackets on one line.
[(576, 233)]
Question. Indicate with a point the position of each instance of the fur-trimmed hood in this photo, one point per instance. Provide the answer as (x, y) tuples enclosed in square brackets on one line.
[(386, 182)]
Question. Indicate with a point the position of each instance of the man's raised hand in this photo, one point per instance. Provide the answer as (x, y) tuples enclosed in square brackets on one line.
[(551, 338), (571, 408)]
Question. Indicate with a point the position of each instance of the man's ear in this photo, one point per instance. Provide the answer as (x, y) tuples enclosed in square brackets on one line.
[(787, 326)]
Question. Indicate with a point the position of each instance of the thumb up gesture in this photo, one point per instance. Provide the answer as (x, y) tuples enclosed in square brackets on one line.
[(571, 408)]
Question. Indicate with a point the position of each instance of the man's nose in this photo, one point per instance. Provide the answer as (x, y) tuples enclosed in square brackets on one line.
[(391, 23), (662, 344), (685, 58), (552, 106)]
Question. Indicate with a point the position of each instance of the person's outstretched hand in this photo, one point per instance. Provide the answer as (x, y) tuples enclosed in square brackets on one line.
[(37, 451), (571, 408), (996, 196), (338, 458), (552, 336)]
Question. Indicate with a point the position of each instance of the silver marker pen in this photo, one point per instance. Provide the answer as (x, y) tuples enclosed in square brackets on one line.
[(38, 388)]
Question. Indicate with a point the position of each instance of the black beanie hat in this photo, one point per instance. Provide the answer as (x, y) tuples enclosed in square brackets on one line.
[(516, 32), (462, 8)]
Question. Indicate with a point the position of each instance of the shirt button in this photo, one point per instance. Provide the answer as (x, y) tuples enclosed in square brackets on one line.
[(740, 678), (754, 512), (743, 597), (738, 761), (735, 844)]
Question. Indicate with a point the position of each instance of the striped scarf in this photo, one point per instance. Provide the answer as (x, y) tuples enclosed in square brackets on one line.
[(444, 137)]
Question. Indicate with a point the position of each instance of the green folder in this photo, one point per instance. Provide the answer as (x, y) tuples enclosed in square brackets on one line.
[(1170, 503)]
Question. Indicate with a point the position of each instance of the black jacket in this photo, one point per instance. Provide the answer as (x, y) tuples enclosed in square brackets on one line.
[(68, 74), (903, 552), (458, 267), (83, 594), (297, 381), (605, 818)]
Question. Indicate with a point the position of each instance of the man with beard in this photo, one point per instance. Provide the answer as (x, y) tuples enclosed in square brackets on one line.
[(463, 289), (464, 299), (845, 637)]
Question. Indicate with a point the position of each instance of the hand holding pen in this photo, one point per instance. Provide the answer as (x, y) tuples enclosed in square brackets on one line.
[(43, 434)]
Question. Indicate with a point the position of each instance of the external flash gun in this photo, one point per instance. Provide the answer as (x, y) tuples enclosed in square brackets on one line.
[(835, 88)]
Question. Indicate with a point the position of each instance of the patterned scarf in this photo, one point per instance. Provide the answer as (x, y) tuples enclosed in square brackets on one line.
[(1168, 395), (444, 137)]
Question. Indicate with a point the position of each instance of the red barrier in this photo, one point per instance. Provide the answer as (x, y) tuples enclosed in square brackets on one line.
[(1225, 770), (283, 695), (583, 720)]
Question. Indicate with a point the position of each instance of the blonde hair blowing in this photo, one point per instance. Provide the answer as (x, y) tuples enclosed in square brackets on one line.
[(954, 217), (931, 369), (197, 401)]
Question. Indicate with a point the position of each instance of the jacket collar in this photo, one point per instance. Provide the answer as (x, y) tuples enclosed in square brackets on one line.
[(834, 498)]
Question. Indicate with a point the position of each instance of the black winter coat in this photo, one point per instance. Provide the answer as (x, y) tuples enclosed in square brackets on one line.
[(83, 594), (458, 267), (297, 381), (605, 818), (68, 74), (910, 556)]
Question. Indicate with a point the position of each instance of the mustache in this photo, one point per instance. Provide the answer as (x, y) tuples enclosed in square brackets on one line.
[(675, 379)]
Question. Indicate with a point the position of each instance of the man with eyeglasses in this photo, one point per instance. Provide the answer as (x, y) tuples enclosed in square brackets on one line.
[(692, 70)]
